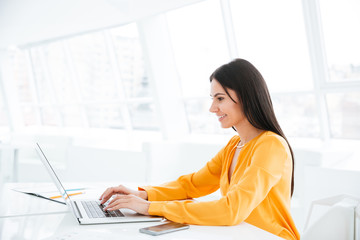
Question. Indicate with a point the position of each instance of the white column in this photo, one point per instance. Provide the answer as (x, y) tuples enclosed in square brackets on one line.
[(318, 60), (164, 79), (229, 29)]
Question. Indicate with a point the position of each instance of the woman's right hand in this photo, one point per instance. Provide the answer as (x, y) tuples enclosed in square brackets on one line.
[(121, 190)]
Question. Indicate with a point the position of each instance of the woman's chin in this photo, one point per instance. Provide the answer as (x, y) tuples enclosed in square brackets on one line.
[(223, 125)]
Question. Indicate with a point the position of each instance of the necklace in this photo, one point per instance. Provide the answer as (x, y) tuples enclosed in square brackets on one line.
[(240, 146)]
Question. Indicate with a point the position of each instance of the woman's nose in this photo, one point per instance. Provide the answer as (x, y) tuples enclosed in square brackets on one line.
[(213, 108)]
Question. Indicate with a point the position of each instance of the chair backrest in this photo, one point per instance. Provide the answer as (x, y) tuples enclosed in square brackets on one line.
[(304, 158), (337, 222)]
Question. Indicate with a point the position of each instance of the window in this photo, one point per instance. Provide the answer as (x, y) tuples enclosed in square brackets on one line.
[(129, 58), (344, 114), (87, 80), (200, 47), (98, 80), (297, 114), (201, 120), (4, 123), (271, 35), (143, 115), (340, 21), (341, 85), (273, 38)]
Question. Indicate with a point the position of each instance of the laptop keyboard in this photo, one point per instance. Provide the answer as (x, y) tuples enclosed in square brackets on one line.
[(95, 210)]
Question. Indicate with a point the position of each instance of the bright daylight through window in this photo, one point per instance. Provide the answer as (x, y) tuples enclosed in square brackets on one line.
[(340, 19), (96, 80), (101, 79)]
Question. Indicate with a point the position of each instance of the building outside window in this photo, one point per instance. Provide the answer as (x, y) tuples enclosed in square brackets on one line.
[(95, 80), (99, 80)]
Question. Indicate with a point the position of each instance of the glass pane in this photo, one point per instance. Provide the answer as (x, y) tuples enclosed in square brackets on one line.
[(3, 115), (340, 19), (201, 120), (50, 116), (3, 112), (105, 115), (59, 72), (20, 70), (45, 93), (344, 114), (297, 115), (129, 58), (143, 116), (71, 116), (273, 38), (92, 66), (29, 116), (199, 43), (4, 121)]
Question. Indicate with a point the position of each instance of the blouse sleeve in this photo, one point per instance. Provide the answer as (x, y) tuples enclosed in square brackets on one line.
[(265, 171), (197, 184)]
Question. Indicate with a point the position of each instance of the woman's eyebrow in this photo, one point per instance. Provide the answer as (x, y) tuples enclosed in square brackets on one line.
[(217, 94)]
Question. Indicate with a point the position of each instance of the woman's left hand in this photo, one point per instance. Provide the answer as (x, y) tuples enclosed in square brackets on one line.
[(130, 201)]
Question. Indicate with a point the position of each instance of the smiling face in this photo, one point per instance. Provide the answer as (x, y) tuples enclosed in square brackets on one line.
[(230, 113)]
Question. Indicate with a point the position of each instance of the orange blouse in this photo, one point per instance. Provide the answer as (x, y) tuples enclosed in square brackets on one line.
[(258, 193)]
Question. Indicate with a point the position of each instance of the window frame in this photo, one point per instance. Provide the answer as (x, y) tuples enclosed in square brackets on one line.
[(16, 117), (318, 62)]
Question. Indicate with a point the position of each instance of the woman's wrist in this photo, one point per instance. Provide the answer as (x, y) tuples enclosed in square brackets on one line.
[(143, 194), (148, 207)]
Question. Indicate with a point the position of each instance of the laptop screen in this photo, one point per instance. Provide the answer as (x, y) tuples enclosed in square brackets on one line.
[(53, 175)]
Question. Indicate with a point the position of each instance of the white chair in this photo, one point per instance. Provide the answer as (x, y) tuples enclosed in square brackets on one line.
[(303, 160), (339, 221)]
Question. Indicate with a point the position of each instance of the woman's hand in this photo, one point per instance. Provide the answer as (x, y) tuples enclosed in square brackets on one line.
[(129, 201), (121, 190)]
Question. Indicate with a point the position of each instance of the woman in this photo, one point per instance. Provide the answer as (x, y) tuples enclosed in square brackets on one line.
[(254, 171)]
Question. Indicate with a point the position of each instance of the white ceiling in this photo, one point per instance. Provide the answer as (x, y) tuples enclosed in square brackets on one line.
[(24, 21)]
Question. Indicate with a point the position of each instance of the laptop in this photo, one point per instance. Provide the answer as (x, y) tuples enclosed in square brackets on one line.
[(90, 211)]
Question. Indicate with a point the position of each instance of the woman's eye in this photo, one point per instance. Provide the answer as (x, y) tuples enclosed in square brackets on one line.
[(220, 99)]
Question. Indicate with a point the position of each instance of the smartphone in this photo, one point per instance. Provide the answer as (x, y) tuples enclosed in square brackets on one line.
[(164, 228)]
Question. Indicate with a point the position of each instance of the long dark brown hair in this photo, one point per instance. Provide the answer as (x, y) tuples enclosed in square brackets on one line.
[(251, 89)]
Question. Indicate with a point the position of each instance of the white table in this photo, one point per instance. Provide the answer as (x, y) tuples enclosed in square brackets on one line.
[(36, 218)]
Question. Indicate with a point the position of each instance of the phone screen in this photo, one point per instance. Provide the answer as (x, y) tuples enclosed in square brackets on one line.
[(164, 228)]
